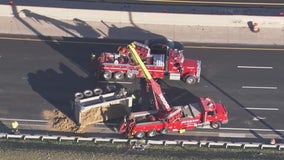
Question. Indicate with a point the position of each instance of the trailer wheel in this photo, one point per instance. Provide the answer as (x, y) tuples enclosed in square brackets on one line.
[(98, 91), (152, 133), (130, 75), (216, 125), (118, 75), (88, 93), (107, 75), (190, 80), (165, 131), (79, 95), (140, 135)]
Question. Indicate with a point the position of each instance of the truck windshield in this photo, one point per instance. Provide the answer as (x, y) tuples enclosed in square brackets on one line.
[(177, 55)]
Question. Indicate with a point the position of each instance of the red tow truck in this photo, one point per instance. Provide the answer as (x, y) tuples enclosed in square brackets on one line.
[(169, 119), (160, 60)]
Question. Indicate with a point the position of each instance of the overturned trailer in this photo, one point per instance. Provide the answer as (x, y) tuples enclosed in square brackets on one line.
[(92, 108)]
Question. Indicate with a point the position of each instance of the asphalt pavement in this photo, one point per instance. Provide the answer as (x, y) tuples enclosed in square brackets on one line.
[(201, 28)]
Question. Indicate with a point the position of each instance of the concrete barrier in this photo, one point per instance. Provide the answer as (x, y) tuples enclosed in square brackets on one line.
[(143, 17)]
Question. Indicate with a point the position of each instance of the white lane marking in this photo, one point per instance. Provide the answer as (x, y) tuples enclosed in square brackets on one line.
[(254, 67), (23, 120), (258, 87), (115, 82), (253, 129), (262, 109)]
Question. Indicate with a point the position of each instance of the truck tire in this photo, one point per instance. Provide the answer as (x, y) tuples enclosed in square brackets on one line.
[(118, 75), (140, 134), (152, 133), (79, 95), (190, 80), (88, 93), (216, 125), (107, 75), (98, 91), (165, 131), (130, 75)]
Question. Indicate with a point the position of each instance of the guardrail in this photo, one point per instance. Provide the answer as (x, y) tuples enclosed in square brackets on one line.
[(208, 144)]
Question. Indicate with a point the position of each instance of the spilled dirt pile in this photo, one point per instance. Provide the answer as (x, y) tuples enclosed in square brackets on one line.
[(58, 121)]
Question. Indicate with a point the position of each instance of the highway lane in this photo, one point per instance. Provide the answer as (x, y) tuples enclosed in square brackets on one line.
[(225, 81), (38, 76)]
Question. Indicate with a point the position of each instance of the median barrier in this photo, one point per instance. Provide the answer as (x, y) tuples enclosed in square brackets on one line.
[(215, 144), (30, 137), (209, 144), (42, 138), (250, 145), (157, 142), (182, 143), (229, 144), (63, 138), (171, 143), (202, 143), (268, 146), (97, 139), (2, 135), (116, 140), (12, 136), (87, 139)]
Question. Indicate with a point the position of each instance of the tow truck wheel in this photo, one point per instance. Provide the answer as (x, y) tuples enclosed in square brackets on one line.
[(130, 75), (152, 133), (190, 80), (216, 125), (118, 75), (107, 75), (165, 131), (140, 134)]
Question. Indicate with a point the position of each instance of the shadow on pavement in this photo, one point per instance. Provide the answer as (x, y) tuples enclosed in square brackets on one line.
[(4, 128), (58, 85), (243, 107)]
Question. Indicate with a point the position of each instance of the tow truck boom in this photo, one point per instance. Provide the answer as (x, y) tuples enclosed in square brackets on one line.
[(169, 119), (158, 94)]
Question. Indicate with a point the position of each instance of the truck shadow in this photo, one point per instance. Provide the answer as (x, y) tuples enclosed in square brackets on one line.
[(74, 72), (59, 87)]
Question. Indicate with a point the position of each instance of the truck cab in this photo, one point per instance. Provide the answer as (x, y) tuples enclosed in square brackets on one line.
[(176, 65)]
